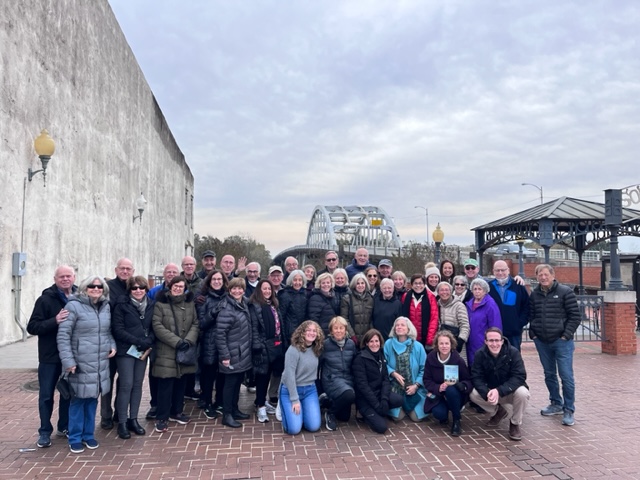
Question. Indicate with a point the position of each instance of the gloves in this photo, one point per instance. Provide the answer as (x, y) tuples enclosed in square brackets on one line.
[(146, 342), (462, 388), (461, 343), (200, 299), (183, 345)]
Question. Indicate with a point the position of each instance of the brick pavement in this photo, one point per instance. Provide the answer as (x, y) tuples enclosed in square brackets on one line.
[(604, 443)]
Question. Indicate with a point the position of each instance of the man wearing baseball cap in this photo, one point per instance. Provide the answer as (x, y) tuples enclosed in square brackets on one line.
[(208, 263)]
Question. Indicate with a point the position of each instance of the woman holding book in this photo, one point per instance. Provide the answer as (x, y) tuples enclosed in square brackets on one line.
[(133, 333), (447, 380)]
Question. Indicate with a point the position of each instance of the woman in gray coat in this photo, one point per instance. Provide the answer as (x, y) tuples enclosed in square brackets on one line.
[(86, 345)]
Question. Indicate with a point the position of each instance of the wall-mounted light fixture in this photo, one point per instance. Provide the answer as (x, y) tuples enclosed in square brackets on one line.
[(140, 204), (44, 146)]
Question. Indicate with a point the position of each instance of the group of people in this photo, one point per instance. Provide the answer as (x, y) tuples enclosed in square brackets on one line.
[(309, 344)]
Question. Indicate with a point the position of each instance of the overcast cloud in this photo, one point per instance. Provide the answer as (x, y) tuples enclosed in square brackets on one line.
[(280, 106)]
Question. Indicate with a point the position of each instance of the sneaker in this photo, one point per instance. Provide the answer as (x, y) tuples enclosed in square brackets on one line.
[(251, 389), (181, 418), (44, 441), (151, 414), (76, 448), (330, 421), (262, 415), (62, 433), (567, 418), (161, 426), (218, 408), (514, 432), (271, 410), (552, 409), (91, 444), (278, 412), (210, 412), (500, 415)]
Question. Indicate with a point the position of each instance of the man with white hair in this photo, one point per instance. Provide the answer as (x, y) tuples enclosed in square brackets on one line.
[(359, 264), (253, 277)]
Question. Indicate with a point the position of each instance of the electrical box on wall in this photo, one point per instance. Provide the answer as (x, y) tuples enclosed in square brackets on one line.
[(19, 264)]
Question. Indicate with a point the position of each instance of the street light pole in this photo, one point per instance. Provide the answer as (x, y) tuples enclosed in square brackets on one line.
[(438, 238), (426, 211), (539, 188)]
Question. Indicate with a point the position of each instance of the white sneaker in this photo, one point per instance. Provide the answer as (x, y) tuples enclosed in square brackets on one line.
[(271, 410), (278, 411), (262, 415)]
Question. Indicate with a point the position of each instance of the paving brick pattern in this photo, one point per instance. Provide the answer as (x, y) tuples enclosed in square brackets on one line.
[(603, 444)]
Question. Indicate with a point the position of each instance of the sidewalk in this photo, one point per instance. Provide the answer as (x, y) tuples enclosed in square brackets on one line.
[(604, 443)]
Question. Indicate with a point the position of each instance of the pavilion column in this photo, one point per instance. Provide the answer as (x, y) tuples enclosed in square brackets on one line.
[(618, 328)]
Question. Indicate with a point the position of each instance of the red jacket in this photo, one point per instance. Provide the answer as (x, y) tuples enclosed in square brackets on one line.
[(415, 315)]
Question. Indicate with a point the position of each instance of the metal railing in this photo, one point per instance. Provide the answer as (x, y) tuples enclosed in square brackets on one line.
[(591, 328)]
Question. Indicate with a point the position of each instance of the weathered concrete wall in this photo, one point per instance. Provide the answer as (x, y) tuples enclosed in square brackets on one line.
[(66, 66)]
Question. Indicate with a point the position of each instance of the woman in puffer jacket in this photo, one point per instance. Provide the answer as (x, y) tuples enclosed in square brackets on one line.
[(233, 340), (323, 304), (85, 344), (453, 316), (357, 307), (293, 305), (214, 290)]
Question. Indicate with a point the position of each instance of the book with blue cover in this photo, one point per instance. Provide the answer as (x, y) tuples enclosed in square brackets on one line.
[(451, 374)]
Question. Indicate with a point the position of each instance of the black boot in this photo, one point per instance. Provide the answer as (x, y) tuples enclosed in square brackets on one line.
[(238, 415), (456, 430), (229, 421), (134, 426), (123, 432)]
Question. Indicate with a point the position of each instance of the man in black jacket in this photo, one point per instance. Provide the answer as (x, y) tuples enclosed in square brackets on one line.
[(48, 313), (499, 378), (554, 318)]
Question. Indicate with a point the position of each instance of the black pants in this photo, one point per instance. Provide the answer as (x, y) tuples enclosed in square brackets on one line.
[(208, 375), (220, 379), (170, 397), (377, 422), (231, 393), (341, 405), (106, 410), (153, 387)]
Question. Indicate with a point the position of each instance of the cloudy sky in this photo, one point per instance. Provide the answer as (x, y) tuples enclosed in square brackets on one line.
[(282, 105)]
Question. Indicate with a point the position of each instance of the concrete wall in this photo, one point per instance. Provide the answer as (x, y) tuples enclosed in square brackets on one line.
[(66, 66)]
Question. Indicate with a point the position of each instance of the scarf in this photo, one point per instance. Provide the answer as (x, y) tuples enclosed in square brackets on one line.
[(271, 322), (141, 306), (340, 343), (426, 311)]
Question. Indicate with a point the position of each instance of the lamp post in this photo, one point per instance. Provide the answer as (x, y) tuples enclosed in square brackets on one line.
[(44, 147), (141, 202), (438, 237), (539, 188), (426, 211), (520, 242)]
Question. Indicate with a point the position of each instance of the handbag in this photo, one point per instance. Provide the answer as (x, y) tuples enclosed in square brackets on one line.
[(188, 357), (454, 330), (64, 387)]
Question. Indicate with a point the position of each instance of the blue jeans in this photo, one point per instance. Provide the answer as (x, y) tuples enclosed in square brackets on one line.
[(82, 419), (450, 401), (48, 374), (515, 340), (557, 358), (309, 415)]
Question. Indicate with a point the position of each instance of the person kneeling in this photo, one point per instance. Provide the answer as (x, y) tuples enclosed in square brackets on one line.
[(447, 379), (499, 378)]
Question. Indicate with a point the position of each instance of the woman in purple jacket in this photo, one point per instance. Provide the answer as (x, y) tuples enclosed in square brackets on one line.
[(483, 313)]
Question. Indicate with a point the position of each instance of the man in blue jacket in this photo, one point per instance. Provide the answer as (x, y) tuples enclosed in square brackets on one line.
[(48, 313), (554, 318), (512, 300), (359, 264)]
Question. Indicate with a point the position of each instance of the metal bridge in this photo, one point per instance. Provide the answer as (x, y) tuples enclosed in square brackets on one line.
[(345, 229)]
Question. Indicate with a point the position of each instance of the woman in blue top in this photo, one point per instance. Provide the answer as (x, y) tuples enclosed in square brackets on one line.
[(405, 362)]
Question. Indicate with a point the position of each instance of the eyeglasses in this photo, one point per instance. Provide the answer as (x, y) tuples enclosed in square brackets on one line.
[(460, 284), (136, 287), (252, 271), (94, 287), (332, 259), (177, 286), (470, 267), (494, 340), (372, 276)]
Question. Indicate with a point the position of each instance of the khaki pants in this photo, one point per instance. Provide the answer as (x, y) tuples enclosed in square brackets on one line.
[(518, 399)]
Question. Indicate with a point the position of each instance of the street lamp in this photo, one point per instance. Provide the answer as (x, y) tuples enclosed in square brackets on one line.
[(438, 237), (44, 147), (539, 188), (141, 202), (520, 242), (426, 211)]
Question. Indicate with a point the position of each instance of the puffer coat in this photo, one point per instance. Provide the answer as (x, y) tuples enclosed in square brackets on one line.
[(207, 322), (233, 336), (322, 308), (85, 340), (554, 313), (164, 327), (293, 311), (385, 312), (260, 351), (335, 367), (357, 309), (371, 381), (130, 328)]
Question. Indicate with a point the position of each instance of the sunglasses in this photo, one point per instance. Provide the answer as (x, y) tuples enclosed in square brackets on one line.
[(94, 287), (460, 284), (470, 267), (136, 287), (332, 259), (372, 276)]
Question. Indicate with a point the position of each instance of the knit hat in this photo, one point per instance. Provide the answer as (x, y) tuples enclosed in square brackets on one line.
[(432, 271)]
